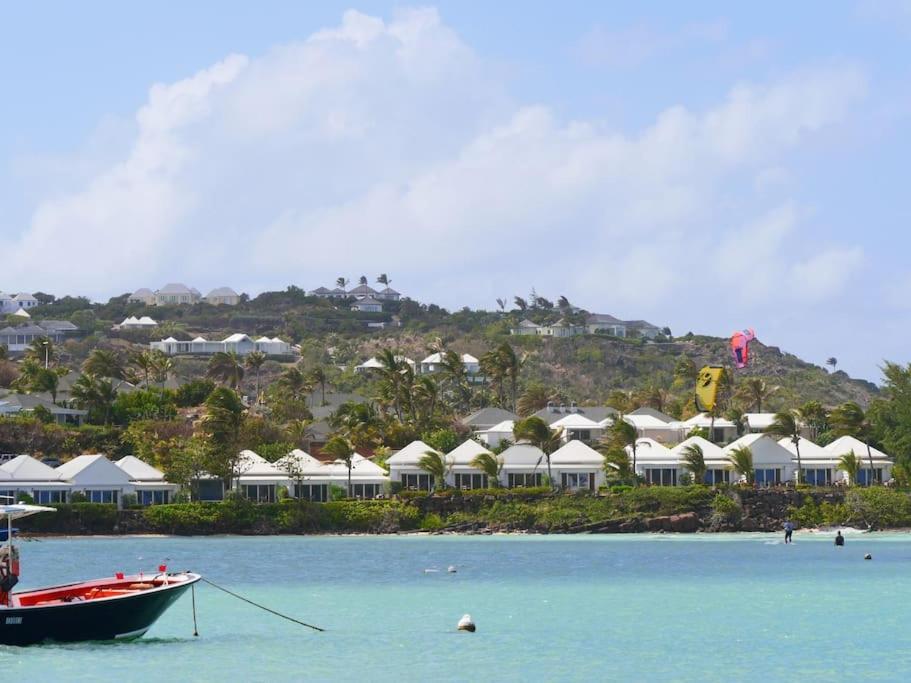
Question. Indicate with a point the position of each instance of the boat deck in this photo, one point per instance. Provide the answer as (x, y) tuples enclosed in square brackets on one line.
[(97, 589)]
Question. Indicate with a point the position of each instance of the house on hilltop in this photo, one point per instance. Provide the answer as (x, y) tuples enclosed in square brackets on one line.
[(223, 296), (176, 293)]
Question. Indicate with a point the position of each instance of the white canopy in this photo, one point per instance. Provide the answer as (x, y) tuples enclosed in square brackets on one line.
[(21, 510)]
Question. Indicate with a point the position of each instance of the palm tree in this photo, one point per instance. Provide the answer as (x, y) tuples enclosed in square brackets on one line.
[(492, 369), (753, 392), (534, 398), (849, 419), (226, 367), (456, 375), (295, 384), (511, 366), (42, 351), (563, 304), (254, 361), (617, 463), (395, 375), (685, 372), (162, 365), (741, 459), (521, 303), (341, 449), (491, 465), (786, 425), (434, 463), (537, 432), (362, 280), (850, 465), (738, 417), (45, 380), (4, 352), (694, 462), (318, 376), (342, 282), (622, 436), (221, 427), (95, 395), (102, 363), (833, 362), (144, 362), (384, 280)]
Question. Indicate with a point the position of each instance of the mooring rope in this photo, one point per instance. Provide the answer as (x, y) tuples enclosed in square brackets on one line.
[(262, 607), (193, 593)]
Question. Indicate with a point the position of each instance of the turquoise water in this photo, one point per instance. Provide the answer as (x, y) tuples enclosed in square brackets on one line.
[(632, 608)]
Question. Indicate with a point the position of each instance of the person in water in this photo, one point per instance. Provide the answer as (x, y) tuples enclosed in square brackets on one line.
[(788, 530), (839, 539)]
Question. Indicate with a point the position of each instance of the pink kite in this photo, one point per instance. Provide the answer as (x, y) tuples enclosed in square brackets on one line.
[(740, 347)]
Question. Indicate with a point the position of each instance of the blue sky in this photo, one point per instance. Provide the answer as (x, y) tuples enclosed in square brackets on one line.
[(708, 167)]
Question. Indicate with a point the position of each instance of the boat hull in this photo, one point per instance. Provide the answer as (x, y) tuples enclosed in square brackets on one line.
[(125, 617)]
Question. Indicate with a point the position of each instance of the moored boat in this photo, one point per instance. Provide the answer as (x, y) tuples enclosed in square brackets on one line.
[(117, 607)]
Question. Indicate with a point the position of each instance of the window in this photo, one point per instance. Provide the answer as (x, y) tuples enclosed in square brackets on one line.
[(578, 481), (768, 476), (210, 489), (470, 481), (580, 435), (365, 491), (7, 497), (315, 493), (661, 476), (259, 493), (152, 497), (716, 476), (45, 497), (520, 480), (417, 482), (864, 479), (816, 476), (109, 497)]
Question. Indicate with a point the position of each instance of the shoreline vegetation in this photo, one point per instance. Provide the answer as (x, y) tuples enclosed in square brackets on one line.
[(623, 510)]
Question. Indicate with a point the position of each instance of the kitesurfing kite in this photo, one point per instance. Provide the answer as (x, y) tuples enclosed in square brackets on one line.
[(740, 347), (707, 387)]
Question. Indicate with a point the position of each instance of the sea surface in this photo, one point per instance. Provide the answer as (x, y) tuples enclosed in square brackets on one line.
[(739, 607)]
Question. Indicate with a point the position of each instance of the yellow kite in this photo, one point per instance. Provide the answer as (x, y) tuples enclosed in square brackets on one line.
[(707, 387)]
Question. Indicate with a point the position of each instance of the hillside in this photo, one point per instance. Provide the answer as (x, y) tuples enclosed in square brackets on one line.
[(585, 369)]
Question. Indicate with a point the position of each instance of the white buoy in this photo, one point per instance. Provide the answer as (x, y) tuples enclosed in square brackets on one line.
[(466, 624), (452, 569)]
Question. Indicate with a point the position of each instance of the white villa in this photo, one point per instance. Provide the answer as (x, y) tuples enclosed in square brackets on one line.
[(433, 363), (241, 344), (134, 323), (13, 303), (595, 323), (96, 477), (367, 305), (177, 293), (375, 364), (223, 296), (358, 292)]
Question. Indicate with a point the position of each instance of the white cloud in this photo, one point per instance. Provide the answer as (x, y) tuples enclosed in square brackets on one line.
[(388, 146)]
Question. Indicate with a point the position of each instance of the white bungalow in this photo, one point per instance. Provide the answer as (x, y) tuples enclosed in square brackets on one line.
[(724, 430), (375, 363), (367, 305), (368, 480), (651, 427), (33, 477), (882, 463), (718, 468), (577, 467), (403, 467), (526, 327), (654, 462), (500, 432), (309, 478), (464, 474), (143, 295), (134, 323), (578, 427), (772, 463), (100, 480), (175, 293), (223, 296), (524, 465), (433, 363), (388, 294), (257, 478), (238, 343), (149, 484)]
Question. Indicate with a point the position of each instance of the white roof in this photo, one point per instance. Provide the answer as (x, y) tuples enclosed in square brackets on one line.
[(410, 454), (649, 449), (577, 453), (22, 313), (523, 455), (221, 291), (25, 467), (710, 451), (759, 420), (503, 427), (170, 340), (146, 320), (175, 288), (575, 421), (465, 452), (846, 444), (93, 470), (647, 422), (705, 420), (24, 296), (253, 464), (139, 470), (300, 462), (143, 292), (766, 451), (371, 364), (199, 339), (808, 450), (433, 358), (131, 320), (467, 358), (236, 337)]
